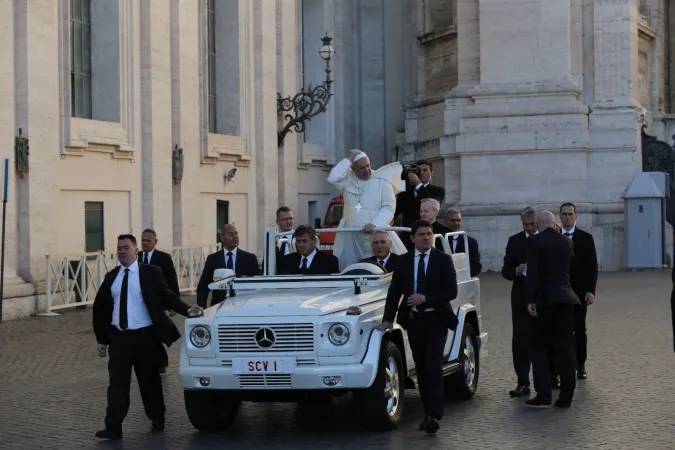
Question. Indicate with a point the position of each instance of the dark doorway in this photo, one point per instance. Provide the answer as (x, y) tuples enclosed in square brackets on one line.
[(222, 216)]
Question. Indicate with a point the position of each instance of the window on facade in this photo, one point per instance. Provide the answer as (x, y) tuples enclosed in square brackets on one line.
[(93, 226), (211, 37), (222, 216), (80, 58)]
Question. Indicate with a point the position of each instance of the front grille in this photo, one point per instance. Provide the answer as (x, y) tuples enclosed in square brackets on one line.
[(289, 337), (268, 381)]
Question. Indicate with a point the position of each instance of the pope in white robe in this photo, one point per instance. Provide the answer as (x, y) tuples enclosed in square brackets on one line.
[(369, 202)]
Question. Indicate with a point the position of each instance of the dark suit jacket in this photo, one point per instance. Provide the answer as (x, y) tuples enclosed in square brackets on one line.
[(245, 264), (165, 262), (548, 261), (474, 254), (389, 266), (516, 254), (439, 228), (409, 205), (157, 297), (584, 266), (322, 264), (440, 289)]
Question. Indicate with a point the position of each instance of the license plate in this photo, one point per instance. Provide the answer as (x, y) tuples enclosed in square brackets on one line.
[(262, 365)]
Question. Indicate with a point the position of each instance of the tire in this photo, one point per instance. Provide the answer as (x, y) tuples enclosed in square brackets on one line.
[(462, 385), (210, 411), (380, 406)]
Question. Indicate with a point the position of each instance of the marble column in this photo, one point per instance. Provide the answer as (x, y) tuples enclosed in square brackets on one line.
[(156, 117), (264, 127)]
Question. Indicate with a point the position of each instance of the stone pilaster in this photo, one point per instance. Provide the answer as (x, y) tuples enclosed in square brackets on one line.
[(456, 100), (264, 127), (155, 25), (186, 133), (37, 113), (287, 84)]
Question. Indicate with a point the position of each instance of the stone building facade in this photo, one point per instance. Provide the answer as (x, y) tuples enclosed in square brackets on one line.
[(527, 102)]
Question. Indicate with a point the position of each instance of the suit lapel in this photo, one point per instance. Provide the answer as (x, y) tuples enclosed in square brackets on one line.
[(142, 280)]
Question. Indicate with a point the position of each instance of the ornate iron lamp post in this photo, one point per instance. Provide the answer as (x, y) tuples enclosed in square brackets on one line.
[(306, 104)]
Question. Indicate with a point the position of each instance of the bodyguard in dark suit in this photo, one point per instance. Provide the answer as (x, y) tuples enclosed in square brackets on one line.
[(307, 260), (427, 281), (129, 319), (453, 220), (512, 270), (550, 300), (150, 255), (383, 257), (583, 277), (230, 257), (417, 188)]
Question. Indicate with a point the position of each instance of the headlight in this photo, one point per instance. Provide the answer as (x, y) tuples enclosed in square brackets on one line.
[(200, 336), (338, 334)]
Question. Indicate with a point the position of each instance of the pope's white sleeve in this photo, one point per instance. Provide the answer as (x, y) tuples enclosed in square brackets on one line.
[(385, 215), (340, 173)]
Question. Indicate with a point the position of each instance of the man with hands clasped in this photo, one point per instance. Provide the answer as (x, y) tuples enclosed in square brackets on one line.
[(129, 323), (427, 281)]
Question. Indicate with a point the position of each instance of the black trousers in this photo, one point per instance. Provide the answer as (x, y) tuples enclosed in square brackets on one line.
[(521, 345), (162, 356), (135, 349), (554, 333), (427, 336), (580, 335)]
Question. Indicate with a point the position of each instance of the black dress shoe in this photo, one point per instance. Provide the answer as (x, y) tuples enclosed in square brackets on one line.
[(109, 433), (539, 401), (520, 391), (581, 373), (423, 425), (431, 426), (157, 425), (563, 403)]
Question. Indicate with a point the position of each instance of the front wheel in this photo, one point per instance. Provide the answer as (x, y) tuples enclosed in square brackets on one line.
[(210, 410), (462, 385), (381, 405)]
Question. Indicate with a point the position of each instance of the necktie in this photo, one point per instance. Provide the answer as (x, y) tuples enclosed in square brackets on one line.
[(145, 257), (421, 275), (228, 264), (303, 268), (283, 248), (124, 321), (453, 247), (382, 264), (568, 234)]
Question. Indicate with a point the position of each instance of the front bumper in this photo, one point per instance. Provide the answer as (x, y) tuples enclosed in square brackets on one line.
[(351, 376)]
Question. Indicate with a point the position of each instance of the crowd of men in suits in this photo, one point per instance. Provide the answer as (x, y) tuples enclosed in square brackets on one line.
[(554, 271)]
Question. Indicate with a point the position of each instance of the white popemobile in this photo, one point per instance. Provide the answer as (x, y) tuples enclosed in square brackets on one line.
[(285, 338)]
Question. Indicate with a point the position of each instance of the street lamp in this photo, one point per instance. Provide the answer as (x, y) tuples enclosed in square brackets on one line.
[(306, 104)]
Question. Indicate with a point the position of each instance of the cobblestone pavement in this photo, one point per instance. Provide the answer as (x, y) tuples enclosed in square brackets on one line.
[(52, 390)]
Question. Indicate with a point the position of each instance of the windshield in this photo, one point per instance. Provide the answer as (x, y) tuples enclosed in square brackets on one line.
[(333, 215)]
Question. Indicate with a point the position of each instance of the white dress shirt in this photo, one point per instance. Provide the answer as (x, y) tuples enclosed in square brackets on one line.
[(149, 256), (571, 232), (234, 257), (138, 315), (309, 257), (287, 250), (384, 261), (418, 187), (426, 265)]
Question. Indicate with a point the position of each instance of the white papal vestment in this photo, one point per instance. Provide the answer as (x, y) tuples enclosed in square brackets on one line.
[(365, 201)]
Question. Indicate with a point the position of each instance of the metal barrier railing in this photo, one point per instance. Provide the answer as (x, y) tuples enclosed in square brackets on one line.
[(73, 280)]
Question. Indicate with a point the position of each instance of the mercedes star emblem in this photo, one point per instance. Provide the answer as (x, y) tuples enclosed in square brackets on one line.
[(265, 338)]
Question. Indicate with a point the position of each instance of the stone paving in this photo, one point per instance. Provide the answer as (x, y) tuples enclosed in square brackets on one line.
[(52, 390)]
